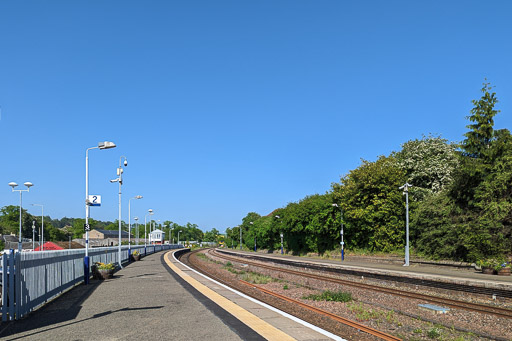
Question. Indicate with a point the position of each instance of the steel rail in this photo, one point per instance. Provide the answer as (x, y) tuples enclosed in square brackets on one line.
[(481, 308), (336, 318)]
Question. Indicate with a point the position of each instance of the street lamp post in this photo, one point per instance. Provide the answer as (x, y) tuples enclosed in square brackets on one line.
[(33, 235), (254, 236), (13, 185), (130, 223), (281, 234), (101, 145), (150, 212), (342, 243), (137, 228), (41, 235), (406, 193), (120, 181), (240, 227)]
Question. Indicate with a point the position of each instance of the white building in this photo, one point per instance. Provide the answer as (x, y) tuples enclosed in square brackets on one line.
[(157, 237)]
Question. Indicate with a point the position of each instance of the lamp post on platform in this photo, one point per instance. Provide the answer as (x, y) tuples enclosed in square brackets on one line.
[(120, 181), (137, 228), (130, 223), (41, 236), (342, 243), (406, 193), (150, 212), (281, 234), (101, 145), (28, 185)]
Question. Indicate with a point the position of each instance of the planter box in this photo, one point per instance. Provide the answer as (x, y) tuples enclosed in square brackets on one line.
[(105, 274), (504, 272), (136, 257), (487, 271)]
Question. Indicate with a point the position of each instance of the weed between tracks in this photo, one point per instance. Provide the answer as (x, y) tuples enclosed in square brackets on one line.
[(249, 276), (330, 296)]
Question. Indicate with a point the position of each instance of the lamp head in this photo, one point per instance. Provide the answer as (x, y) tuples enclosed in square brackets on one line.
[(150, 210), (334, 205), (28, 184), (138, 197), (114, 180), (278, 217), (125, 162), (106, 145), (136, 218), (13, 184)]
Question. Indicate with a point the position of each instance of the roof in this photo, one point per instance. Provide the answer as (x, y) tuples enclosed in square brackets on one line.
[(10, 238), (59, 246), (157, 231), (112, 233)]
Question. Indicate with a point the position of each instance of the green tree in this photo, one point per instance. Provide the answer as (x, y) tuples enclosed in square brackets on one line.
[(373, 206), (481, 133), (211, 236)]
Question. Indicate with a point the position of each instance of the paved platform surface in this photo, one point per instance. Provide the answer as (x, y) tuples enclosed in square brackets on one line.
[(147, 301)]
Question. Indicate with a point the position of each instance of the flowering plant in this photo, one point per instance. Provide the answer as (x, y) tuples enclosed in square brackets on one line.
[(105, 266), (135, 253)]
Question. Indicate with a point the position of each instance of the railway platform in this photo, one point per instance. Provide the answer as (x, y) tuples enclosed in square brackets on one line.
[(362, 266), (157, 298)]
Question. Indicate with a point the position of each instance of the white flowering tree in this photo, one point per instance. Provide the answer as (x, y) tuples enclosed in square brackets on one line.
[(429, 164)]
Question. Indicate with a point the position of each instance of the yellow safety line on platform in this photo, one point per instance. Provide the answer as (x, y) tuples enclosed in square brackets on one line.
[(252, 321)]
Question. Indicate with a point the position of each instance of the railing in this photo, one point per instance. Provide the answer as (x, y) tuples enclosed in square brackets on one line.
[(30, 279)]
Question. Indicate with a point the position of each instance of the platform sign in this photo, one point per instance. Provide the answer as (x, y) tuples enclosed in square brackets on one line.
[(94, 200), (87, 227)]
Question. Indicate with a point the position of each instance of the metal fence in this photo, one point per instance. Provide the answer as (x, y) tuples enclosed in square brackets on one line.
[(30, 279)]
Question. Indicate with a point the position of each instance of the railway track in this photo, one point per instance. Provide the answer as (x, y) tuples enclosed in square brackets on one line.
[(415, 281), (361, 327), (480, 308)]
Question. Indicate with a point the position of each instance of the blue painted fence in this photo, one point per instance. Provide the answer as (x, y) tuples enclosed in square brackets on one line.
[(30, 279)]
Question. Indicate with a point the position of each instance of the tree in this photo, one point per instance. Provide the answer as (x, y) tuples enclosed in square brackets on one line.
[(211, 236), (429, 164), (481, 133), (373, 206)]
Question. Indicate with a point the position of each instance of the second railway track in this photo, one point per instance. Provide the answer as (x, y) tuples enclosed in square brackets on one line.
[(476, 307)]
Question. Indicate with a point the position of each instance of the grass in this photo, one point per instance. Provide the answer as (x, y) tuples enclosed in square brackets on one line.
[(330, 296), (434, 333), (363, 314), (256, 278)]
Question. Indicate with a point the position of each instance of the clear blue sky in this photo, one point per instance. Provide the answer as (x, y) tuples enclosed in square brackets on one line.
[(228, 107)]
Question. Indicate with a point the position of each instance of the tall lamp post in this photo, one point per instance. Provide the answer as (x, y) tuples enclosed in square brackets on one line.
[(101, 145), (13, 185), (252, 223), (281, 234), (342, 243), (150, 212), (41, 236), (120, 181), (406, 193), (130, 223), (33, 235), (137, 228), (240, 227)]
